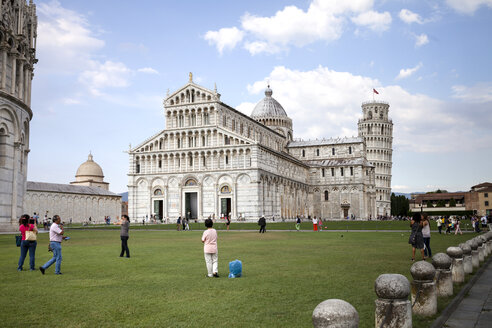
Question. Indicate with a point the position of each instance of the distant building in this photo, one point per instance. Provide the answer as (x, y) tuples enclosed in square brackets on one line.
[(86, 198), (18, 32), (476, 201)]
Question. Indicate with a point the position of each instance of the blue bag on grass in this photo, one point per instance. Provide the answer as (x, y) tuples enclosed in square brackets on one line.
[(235, 269)]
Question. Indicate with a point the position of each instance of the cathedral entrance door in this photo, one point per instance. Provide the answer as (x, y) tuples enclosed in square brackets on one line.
[(345, 212), (225, 206), (191, 205), (158, 209)]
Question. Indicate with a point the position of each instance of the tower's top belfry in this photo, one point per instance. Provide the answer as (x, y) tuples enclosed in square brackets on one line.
[(18, 34)]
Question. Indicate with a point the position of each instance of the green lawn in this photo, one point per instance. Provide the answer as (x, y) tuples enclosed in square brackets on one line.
[(286, 274)]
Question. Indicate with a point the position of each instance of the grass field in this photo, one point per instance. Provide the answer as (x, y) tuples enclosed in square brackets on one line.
[(164, 283)]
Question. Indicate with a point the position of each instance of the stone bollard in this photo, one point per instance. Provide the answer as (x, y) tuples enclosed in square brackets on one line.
[(474, 246), (481, 257), (484, 245), (467, 258), (444, 279), (489, 242), (424, 295), (457, 269), (335, 313), (393, 309)]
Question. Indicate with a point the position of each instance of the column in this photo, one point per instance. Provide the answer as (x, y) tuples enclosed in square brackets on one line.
[(13, 214), (234, 198), (4, 66), (21, 79), (14, 69)]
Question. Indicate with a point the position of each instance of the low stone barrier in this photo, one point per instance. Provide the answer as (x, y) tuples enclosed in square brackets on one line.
[(457, 269), (393, 309), (444, 279), (481, 256), (474, 246), (424, 295), (335, 313)]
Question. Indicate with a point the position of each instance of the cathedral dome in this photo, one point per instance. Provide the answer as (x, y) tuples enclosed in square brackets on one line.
[(268, 107), (89, 169)]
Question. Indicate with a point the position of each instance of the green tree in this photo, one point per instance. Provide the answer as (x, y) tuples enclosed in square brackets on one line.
[(452, 202), (441, 203), (429, 203), (399, 205)]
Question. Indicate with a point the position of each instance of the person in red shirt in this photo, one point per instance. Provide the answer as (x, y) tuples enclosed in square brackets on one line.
[(27, 245)]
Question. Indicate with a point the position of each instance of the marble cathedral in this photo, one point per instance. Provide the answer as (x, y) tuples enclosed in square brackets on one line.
[(213, 160)]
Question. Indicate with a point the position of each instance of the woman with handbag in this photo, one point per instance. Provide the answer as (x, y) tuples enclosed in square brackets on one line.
[(29, 233)]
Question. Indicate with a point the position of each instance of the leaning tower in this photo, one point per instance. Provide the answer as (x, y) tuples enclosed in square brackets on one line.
[(377, 129), (18, 25)]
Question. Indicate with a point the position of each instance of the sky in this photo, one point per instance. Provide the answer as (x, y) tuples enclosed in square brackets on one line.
[(105, 67)]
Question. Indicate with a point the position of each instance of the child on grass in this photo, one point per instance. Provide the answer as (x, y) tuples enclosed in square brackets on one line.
[(209, 240)]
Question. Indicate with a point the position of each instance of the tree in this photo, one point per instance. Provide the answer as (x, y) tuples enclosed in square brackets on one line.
[(452, 202), (399, 205), (429, 203), (441, 203)]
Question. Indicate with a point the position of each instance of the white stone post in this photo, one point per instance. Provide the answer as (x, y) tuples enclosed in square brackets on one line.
[(457, 268), (474, 246), (335, 313), (393, 309), (467, 258), (489, 242), (481, 256), (444, 279), (424, 295), (484, 246)]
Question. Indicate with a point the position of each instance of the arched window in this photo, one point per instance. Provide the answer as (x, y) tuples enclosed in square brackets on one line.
[(205, 118), (190, 183), (326, 195), (3, 146), (158, 192), (369, 115), (350, 150), (225, 190)]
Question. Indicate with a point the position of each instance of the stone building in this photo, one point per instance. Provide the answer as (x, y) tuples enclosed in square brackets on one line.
[(18, 27), (79, 200), (212, 160)]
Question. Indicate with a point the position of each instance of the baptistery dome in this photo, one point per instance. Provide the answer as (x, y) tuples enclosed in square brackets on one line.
[(268, 107)]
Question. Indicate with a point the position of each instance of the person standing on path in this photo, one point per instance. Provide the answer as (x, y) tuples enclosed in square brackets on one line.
[(315, 224), (210, 250), (27, 245), (262, 224), (124, 235), (298, 223), (426, 234), (439, 225), (56, 237)]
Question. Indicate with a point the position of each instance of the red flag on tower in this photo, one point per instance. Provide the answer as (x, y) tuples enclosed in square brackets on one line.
[(375, 91)]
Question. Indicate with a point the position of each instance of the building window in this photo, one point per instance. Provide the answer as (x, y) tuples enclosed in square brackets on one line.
[(241, 128), (160, 164), (179, 143), (227, 159), (332, 171), (351, 171), (486, 195), (350, 150), (333, 151), (190, 183), (227, 140), (486, 203), (224, 121), (205, 118), (137, 169), (190, 141), (317, 152), (225, 190), (180, 120), (193, 119), (303, 153), (341, 171), (326, 195), (191, 161), (323, 173)]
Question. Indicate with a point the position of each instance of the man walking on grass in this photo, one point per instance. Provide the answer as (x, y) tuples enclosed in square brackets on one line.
[(56, 237)]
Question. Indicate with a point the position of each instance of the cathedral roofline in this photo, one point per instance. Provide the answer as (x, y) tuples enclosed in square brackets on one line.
[(340, 162), (67, 188), (324, 142)]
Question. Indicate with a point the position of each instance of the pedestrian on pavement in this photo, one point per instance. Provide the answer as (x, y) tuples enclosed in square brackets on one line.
[(320, 224), (457, 227), (56, 237), (439, 225), (27, 245)]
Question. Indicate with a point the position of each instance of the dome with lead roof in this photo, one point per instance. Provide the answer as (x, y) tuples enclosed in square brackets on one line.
[(268, 107)]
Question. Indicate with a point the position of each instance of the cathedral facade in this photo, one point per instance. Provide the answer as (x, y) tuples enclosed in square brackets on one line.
[(213, 161), (18, 25)]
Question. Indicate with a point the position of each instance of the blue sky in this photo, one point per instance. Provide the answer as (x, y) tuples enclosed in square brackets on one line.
[(105, 66)]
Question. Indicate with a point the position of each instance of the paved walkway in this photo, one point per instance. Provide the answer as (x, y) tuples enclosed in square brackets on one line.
[(475, 309)]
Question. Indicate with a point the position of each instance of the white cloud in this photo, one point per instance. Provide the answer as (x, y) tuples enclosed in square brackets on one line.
[(373, 20), (410, 17), (105, 75), (147, 70), (421, 40), (225, 38), (246, 107), (293, 26), (324, 103), (479, 93), (468, 6), (65, 39), (406, 72)]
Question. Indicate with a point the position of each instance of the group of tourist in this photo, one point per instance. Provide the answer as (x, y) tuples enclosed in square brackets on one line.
[(420, 235), (182, 224)]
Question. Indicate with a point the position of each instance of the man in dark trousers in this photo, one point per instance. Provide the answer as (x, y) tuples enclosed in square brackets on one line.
[(262, 224)]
